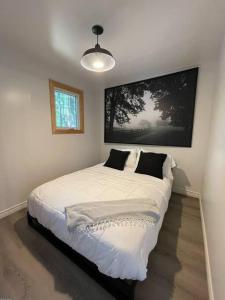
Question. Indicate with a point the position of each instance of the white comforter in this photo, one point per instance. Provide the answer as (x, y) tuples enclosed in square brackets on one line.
[(119, 252)]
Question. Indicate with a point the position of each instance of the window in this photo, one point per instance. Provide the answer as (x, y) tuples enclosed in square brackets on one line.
[(67, 108)]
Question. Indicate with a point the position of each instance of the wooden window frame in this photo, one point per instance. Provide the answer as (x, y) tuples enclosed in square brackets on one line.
[(52, 86)]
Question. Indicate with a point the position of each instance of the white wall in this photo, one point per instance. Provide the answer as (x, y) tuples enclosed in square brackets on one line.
[(29, 153), (213, 201), (190, 161)]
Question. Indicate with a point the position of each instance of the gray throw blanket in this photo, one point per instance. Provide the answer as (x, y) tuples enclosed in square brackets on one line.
[(93, 216)]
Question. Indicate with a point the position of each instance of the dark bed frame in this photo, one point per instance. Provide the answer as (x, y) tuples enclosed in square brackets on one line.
[(121, 289)]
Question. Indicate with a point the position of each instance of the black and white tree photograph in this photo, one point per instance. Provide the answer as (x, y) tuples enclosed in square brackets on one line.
[(156, 111)]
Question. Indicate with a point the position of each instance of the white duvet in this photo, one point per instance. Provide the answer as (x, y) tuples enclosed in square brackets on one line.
[(119, 252)]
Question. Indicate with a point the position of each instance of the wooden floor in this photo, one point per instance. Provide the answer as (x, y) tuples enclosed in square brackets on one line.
[(177, 264), (31, 268)]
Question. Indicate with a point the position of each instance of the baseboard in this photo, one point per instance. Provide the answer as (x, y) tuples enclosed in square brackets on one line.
[(194, 194), (186, 192), (208, 267), (12, 209)]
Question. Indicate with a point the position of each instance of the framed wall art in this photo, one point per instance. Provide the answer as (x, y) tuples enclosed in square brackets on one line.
[(156, 111)]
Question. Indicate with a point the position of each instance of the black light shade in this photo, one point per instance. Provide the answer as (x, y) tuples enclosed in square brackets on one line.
[(97, 59)]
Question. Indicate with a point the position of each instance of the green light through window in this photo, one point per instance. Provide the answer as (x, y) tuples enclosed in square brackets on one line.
[(67, 109)]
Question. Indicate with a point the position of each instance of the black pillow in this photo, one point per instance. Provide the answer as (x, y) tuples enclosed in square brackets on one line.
[(151, 164), (117, 159)]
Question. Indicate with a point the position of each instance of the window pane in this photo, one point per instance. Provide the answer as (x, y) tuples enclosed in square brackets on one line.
[(67, 110)]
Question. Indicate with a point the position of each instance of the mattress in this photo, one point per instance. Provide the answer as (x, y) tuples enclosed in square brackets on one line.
[(119, 252)]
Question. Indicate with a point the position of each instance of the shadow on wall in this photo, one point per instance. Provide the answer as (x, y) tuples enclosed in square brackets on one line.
[(163, 264), (181, 179)]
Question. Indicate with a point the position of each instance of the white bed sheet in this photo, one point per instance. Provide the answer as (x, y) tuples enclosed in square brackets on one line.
[(119, 252)]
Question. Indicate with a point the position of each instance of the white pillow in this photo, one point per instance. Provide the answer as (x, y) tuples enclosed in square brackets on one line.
[(132, 157), (169, 163)]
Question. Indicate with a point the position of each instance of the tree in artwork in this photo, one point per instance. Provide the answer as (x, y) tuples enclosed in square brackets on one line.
[(171, 97), (122, 102)]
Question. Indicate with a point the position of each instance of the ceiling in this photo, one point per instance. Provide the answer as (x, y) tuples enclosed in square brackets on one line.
[(145, 36)]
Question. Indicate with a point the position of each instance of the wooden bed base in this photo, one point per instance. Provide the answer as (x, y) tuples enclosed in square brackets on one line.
[(121, 289)]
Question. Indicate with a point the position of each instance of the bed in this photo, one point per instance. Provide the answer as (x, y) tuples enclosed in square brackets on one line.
[(118, 252)]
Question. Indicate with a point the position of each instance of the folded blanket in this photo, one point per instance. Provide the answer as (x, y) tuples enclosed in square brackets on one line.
[(93, 216)]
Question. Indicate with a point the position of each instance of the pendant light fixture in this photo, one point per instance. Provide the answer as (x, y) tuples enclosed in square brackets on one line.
[(97, 59)]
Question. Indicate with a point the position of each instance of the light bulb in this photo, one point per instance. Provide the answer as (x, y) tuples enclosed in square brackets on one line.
[(98, 64)]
